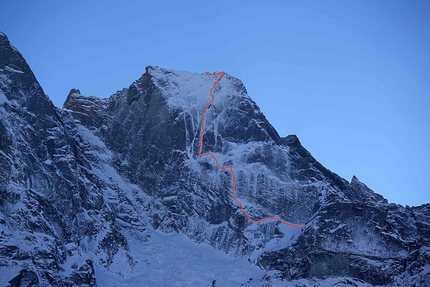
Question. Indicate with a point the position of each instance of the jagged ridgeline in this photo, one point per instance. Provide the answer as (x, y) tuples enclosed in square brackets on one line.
[(112, 192)]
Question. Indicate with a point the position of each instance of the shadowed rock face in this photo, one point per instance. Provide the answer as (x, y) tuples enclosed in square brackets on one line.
[(51, 197), (78, 184)]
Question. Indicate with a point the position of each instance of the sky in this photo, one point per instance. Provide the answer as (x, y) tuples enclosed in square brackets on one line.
[(349, 78)]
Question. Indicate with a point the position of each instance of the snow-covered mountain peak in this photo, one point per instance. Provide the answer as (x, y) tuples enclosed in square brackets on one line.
[(365, 193), (11, 59), (112, 192), (186, 90), (14, 69), (3, 39)]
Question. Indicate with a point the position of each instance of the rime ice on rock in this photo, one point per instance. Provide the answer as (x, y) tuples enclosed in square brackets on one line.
[(112, 192)]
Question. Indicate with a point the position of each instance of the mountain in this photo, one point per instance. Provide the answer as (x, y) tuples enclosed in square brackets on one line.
[(113, 192)]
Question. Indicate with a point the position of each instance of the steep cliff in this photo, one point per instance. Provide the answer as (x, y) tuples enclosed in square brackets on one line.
[(112, 191)]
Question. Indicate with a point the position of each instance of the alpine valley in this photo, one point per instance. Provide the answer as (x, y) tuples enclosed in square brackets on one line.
[(112, 192)]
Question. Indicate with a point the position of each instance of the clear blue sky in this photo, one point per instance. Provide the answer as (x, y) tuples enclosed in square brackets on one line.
[(350, 78)]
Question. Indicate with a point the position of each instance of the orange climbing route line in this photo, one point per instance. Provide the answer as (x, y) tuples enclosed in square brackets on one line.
[(228, 167)]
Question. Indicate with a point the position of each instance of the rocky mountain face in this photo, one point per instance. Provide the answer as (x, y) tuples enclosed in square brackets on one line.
[(87, 193)]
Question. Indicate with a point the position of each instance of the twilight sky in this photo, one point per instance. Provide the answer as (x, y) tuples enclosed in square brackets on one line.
[(350, 78)]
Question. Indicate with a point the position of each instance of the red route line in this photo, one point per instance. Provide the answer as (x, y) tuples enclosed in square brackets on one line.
[(220, 75)]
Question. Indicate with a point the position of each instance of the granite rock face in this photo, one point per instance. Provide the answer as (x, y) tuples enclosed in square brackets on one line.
[(55, 206), (83, 187)]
